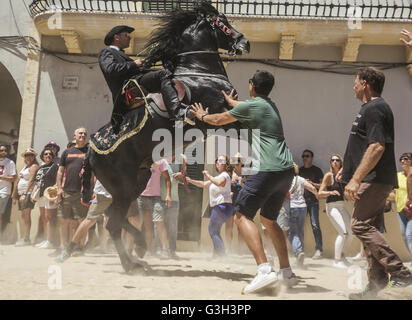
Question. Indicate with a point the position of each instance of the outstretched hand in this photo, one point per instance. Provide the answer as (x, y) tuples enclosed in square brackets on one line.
[(408, 35), (198, 110)]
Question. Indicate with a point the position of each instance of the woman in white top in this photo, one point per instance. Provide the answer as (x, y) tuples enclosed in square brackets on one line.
[(220, 200), (298, 214), (22, 192)]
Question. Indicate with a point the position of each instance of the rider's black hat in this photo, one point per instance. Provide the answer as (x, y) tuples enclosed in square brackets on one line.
[(108, 39)]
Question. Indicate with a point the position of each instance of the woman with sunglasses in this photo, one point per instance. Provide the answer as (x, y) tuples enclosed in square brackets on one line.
[(220, 200), (46, 177), (22, 192), (333, 191), (401, 196)]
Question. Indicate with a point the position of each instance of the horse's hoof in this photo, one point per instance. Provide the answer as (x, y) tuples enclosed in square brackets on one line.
[(136, 268), (140, 251)]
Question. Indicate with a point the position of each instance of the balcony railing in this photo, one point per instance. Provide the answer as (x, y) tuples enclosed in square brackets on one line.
[(382, 10)]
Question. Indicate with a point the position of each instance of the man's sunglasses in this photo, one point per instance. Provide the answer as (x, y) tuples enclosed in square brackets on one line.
[(306, 156)]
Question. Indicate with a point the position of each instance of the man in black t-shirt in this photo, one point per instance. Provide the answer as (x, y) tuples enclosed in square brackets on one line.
[(314, 176), (71, 211), (369, 172)]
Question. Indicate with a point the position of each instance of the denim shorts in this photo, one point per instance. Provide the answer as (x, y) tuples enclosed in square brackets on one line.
[(265, 191), (154, 205), (4, 199)]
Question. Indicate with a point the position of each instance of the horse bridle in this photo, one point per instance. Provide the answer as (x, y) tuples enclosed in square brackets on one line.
[(215, 23)]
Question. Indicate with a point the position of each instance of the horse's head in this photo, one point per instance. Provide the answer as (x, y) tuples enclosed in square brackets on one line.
[(200, 29), (228, 37)]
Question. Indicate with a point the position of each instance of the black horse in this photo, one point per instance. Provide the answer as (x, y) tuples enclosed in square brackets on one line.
[(187, 43)]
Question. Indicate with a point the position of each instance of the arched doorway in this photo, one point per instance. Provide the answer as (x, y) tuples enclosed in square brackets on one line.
[(10, 107), (10, 113)]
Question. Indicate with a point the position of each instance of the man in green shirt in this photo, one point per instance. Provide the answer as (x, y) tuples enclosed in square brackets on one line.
[(266, 189)]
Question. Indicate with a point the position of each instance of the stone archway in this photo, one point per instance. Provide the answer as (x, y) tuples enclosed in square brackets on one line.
[(10, 107), (10, 113)]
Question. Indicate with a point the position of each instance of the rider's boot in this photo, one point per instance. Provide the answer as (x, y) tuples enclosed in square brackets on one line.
[(177, 110)]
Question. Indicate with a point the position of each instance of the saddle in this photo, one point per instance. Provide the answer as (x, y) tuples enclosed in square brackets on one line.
[(106, 140)]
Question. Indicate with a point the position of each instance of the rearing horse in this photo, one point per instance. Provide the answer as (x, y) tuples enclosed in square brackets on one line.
[(187, 43)]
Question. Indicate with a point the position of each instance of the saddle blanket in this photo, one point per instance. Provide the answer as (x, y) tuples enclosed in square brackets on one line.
[(105, 140)]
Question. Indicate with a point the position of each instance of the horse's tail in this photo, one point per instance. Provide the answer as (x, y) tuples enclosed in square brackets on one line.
[(86, 175)]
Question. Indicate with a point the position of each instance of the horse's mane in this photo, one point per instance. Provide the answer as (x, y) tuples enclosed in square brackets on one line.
[(163, 41)]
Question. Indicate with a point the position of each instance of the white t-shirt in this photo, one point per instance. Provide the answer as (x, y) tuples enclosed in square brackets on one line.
[(7, 169), (219, 195), (24, 176), (296, 198), (100, 190)]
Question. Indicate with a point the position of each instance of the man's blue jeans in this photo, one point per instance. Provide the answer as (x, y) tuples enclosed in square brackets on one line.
[(313, 210), (405, 223), (297, 219)]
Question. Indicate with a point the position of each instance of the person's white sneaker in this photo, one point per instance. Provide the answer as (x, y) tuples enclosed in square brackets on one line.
[(22, 243), (39, 245), (358, 257), (261, 280), (300, 259), (346, 262), (47, 245), (287, 277), (340, 265), (317, 255)]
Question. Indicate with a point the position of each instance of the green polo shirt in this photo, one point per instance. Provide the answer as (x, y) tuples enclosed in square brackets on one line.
[(261, 113)]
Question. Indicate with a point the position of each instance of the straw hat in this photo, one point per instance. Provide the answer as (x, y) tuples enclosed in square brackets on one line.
[(29, 151), (50, 193), (236, 157)]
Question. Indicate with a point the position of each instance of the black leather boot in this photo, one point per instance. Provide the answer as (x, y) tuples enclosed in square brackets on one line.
[(177, 111)]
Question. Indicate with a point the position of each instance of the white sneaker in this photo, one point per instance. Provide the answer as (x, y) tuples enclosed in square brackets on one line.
[(22, 243), (346, 262), (317, 255), (261, 280), (47, 245), (39, 245), (340, 265), (358, 257), (287, 277), (300, 259)]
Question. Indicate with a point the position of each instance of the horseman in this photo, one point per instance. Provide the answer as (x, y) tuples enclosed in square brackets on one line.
[(117, 68)]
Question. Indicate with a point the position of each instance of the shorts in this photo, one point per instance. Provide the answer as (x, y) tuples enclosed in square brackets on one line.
[(133, 210), (4, 199), (70, 207), (26, 203), (98, 207), (265, 190), (43, 202), (154, 204)]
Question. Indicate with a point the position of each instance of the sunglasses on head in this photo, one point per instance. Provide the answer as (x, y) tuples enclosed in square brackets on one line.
[(334, 160), (404, 159)]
